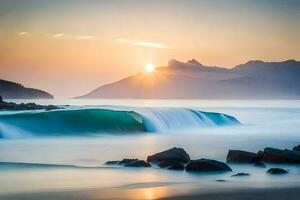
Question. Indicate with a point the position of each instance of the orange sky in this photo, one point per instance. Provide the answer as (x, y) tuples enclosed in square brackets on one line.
[(71, 47)]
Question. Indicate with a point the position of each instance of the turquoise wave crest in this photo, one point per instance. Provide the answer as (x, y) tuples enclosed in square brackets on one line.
[(99, 120)]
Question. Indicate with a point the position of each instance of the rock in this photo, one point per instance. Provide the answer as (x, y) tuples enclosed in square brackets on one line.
[(277, 171), (51, 107), (168, 163), (129, 163), (272, 155), (177, 167), (25, 106), (238, 156), (259, 164), (260, 154), (240, 174), (114, 162), (126, 161), (206, 165), (137, 163), (297, 148), (221, 180), (171, 164), (1, 100), (174, 154)]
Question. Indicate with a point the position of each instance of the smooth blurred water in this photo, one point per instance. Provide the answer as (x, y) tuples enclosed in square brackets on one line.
[(264, 123), (109, 120)]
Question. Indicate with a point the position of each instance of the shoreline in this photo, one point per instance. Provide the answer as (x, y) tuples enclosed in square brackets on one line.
[(243, 194), (227, 193)]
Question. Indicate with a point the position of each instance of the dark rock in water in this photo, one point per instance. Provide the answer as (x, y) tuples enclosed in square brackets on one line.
[(272, 155), (297, 148), (25, 106), (238, 156), (129, 163), (114, 162), (260, 164), (177, 167), (206, 165), (174, 154), (221, 180), (240, 174), (51, 107), (260, 154), (126, 161), (169, 163), (1, 100), (137, 163), (277, 171)]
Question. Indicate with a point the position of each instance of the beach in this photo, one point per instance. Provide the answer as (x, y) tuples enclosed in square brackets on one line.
[(151, 193)]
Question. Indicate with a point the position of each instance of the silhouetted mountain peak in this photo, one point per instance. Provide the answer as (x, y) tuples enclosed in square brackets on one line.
[(292, 61), (253, 79), (189, 63), (258, 63), (254, 62), (194, 62), (175, 63)]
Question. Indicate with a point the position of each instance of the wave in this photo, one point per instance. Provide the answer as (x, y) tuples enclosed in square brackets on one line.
[(102, 120), (13, 165), (10, 165), (178, 119)]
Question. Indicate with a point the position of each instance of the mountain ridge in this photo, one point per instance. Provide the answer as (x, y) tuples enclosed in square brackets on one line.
[(254, 79), (12, 90)]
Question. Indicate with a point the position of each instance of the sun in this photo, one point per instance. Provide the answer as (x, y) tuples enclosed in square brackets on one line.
[(149, 68)]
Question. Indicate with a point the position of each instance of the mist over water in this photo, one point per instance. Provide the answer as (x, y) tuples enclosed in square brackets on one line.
[(263, 123)]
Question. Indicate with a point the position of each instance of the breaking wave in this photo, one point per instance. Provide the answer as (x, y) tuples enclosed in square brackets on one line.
[(90, 121)]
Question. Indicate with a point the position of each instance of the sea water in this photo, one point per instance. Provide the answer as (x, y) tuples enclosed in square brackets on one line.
[(75, 161)]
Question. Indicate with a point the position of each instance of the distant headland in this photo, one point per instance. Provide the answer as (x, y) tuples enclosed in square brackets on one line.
[(11, 90)]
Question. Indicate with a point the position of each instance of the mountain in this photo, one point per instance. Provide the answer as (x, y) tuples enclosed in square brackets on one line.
[(11, 90), (252, 80)]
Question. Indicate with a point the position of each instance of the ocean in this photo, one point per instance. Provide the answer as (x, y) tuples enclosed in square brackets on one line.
[(63, 150)]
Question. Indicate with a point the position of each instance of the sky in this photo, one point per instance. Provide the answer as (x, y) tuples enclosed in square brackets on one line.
[(70, 47)]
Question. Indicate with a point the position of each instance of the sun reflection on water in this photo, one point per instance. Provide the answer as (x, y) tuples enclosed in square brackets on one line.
[(148, 193)]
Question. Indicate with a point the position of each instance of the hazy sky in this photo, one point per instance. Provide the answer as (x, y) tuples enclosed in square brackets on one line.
[(70, 47)]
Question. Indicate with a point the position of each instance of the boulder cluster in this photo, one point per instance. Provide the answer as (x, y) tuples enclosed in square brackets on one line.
[(24, 106), (268, 155), (178, 159), (175, 159)]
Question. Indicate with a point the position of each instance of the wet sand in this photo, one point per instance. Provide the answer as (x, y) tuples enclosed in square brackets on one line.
[(244, 194), (157, 193)]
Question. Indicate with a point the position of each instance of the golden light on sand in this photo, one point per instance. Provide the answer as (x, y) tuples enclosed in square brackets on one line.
[(148, 193), (149, 68)]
